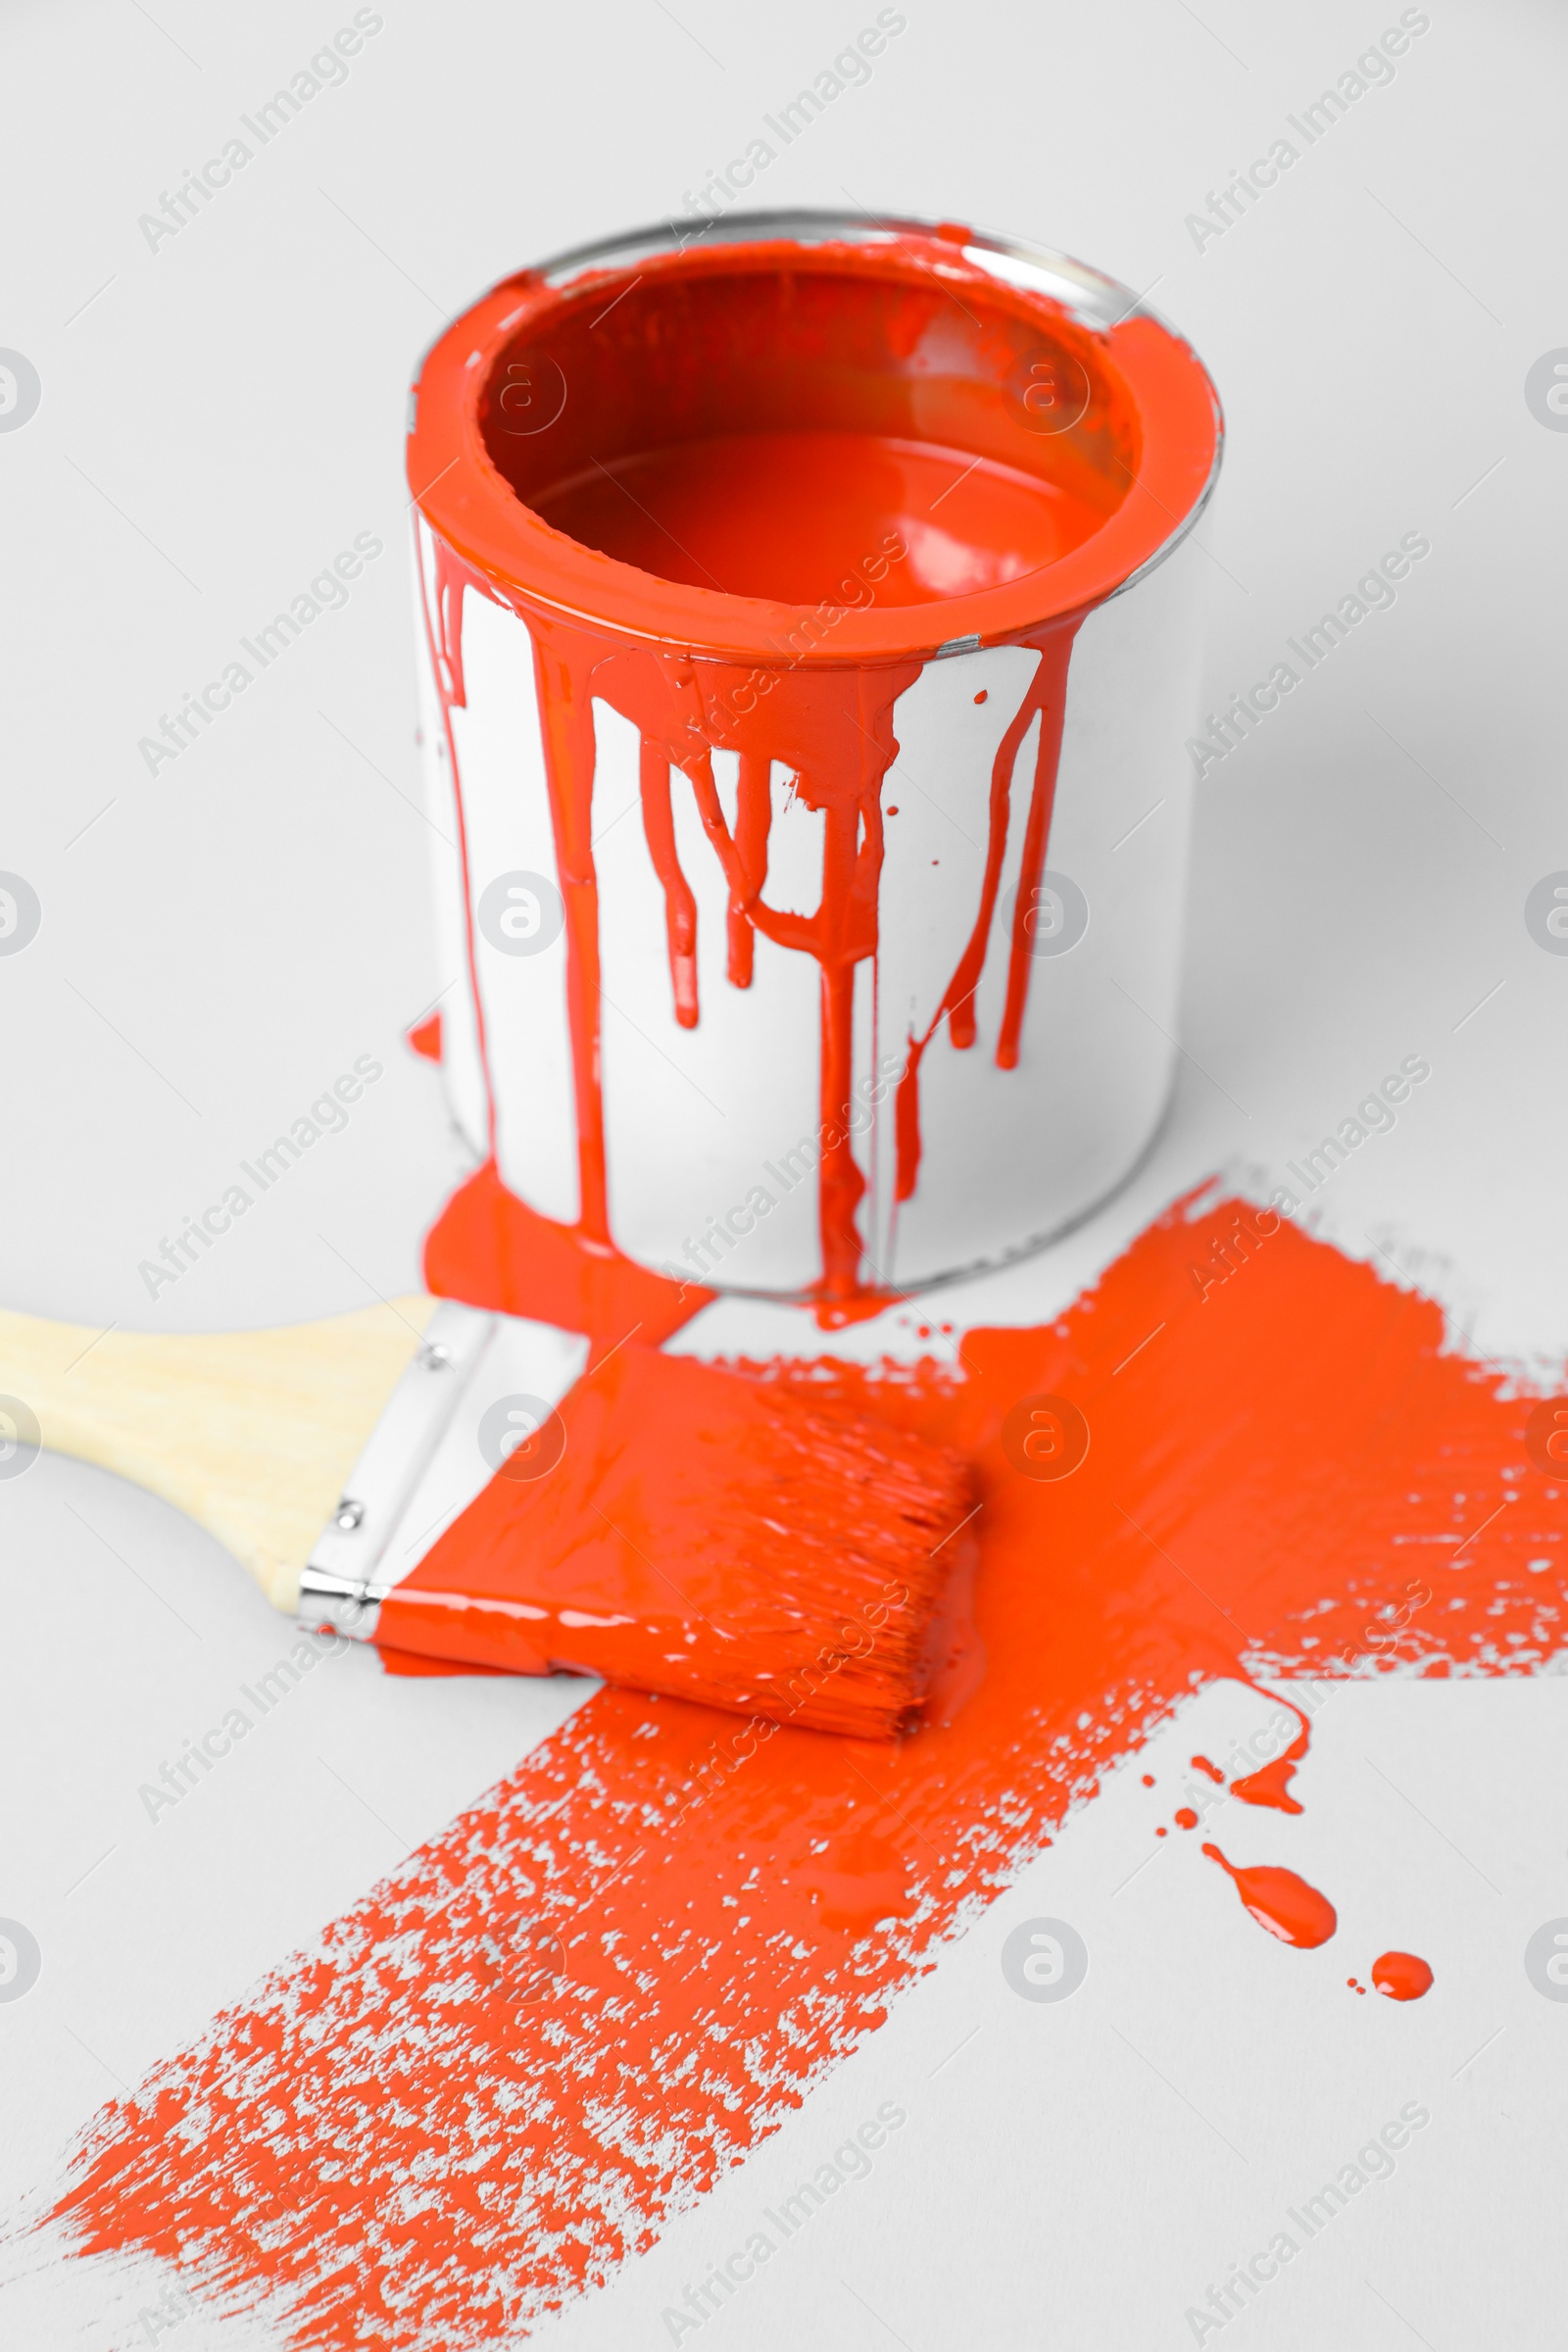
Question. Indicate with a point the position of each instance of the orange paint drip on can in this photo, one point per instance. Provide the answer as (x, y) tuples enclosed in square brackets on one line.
[(711, 537)]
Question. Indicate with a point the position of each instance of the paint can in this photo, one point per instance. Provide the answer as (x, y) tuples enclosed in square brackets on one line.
[(810, 628)]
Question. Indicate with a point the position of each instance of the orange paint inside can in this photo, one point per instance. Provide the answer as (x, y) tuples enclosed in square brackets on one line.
[(792, 404), (793, 516)]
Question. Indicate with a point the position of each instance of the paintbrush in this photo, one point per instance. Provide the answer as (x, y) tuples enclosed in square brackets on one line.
[(467, 1487)]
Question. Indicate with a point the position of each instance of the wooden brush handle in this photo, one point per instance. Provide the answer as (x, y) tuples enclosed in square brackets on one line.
[(251, 1433)]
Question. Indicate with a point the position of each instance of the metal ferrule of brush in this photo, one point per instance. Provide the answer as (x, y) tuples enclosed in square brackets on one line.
[(427, 1456)]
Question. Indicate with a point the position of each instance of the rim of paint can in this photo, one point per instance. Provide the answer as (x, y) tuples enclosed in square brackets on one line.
[(1168, 407)]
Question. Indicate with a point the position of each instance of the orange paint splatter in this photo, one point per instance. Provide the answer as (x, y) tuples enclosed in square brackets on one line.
[(1270, 1784), (1282, 1903), (1401, 1976), (393, 2141), (424, 1038)]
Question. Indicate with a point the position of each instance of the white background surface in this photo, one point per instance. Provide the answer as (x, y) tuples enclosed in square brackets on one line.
[(221, 417)]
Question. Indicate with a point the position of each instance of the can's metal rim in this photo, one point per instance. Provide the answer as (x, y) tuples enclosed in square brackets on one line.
[(1090, 299), (1099, 301)]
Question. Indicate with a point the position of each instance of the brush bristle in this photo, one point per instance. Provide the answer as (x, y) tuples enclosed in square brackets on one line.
[(707, 1536), (838, 1535)]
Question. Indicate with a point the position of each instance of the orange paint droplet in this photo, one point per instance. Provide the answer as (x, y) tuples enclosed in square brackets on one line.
[(1202, 1764), (1186, 1818), (1270, 1787), (1401, 1976), (1161, 1832), (1148, 1780), (984, 695), (893, 809), (1282, 1902), (1270, 1784), (425, 1037)]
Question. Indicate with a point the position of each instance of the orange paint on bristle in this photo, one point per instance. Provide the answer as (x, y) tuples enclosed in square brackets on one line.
[(712, 1538)]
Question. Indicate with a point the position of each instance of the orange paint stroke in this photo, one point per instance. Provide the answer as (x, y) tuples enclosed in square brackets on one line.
[(396, 2141)]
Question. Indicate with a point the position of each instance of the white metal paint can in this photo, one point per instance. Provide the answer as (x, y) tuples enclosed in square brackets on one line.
[(795, 956)]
